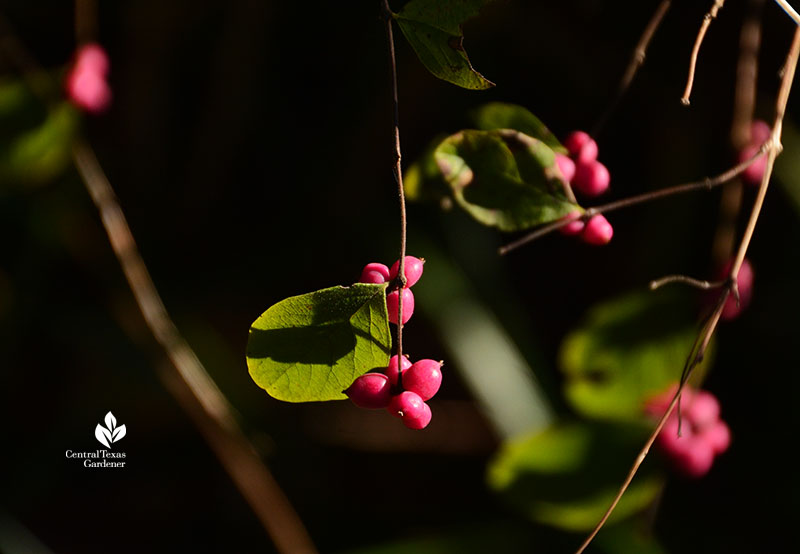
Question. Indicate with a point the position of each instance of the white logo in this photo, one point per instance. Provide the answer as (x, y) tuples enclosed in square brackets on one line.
[(110, 433)]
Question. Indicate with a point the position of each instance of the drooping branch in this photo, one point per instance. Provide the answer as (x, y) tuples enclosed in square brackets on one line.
[(709, 17)]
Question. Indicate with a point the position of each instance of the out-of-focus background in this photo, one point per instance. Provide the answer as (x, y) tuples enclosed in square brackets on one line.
[(250, 146)]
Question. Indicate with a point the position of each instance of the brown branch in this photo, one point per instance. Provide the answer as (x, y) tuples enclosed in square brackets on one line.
[(790, 11), (709, 17), (708, 330), (708, 183), (686, 280), (191, 385), (85, 21), (398, 176), (637, 61)]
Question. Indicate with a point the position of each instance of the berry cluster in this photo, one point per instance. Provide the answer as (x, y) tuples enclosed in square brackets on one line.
[(759, 134), (402, 389), (379, 273), (86, 82), (703, 435), (744, 281), (589, 178)]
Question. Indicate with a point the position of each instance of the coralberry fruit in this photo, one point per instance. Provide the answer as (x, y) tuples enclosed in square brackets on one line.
[(745, 284), (582, 148), (371, 391), (424, 377), (393, 369), (566, 166), (393, 307), (591, 178), (409, 407), (86, 82), (412, 268), (759, 132), (573, 227), (374, 273), (598, 231), (755, 171)]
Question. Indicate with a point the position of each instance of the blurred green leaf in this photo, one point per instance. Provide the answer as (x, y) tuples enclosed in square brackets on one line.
[(567, 475), (312, 347), (628, 349), (422, 181), (433, 28), (498, 115), (626, 538), (503, 179)]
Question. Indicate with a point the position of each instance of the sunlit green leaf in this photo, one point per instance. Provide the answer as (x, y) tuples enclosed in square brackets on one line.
[(503, 178), (433, 28), (567, 475), (498, 115), (311, 347), (626, 350)]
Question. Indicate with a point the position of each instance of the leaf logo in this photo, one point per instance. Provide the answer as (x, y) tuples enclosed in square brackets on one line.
[(110, 433)]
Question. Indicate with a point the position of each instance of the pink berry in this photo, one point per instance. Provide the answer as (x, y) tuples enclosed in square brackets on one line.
[(424, 377), (598, 231), (759, 132), (755, 171), (591, 178), (407, 404), (574, 227), (696, 458), (392, 370), (412, 269), (582, 148), (92, 57), (718, 436), (393, 307), (88, 90), (745, 284), (703, 410), (421, 421), (371, 391), (374, 273), (566, 166)]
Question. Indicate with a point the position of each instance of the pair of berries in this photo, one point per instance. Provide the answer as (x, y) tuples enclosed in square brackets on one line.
[(86, 82), (759, 134), (402, 390), (703, 435), (379, 273)]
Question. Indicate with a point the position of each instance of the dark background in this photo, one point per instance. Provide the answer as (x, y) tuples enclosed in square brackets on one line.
[(250, 145)]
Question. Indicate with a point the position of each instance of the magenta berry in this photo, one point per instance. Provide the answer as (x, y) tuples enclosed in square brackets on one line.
[(392, 370), (393, 307), (566, 166), (591, 178), (424, 377), (92, 57), (374, 273), (582, 148), (759, 132), (421, 421), (573, 227), (702, 410), (407, 404), (755, 171), (745, 283), (86, 82), (371, 391), (412, 269), (695, 458), (718, 436), (598, 231)]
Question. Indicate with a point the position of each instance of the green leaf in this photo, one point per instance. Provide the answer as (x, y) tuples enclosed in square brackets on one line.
[(422, 180), (497, 115), (312, 347), (503, 178), (433, 28), (567, 475), (627, 350)]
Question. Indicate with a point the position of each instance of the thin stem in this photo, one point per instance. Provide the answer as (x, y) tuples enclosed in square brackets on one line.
[(398, 176), (708, 330), (707, 183), (192, 386), (790, 11), (686, 280), (85, 20), (709, 17), (637, 60)]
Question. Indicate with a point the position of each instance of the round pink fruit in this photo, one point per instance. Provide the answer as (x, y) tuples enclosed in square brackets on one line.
[(421, 421), (759, 132), (573, 227), (591, 178), (374, 273), (393, 305), (703, 410), (755, 171), (407, 404), (88, 90), (424, 377), (598, 231), (566, 166), (412, 268), (393, 371), (371, 391), (745, 284), (718, 436), (582, 148)]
